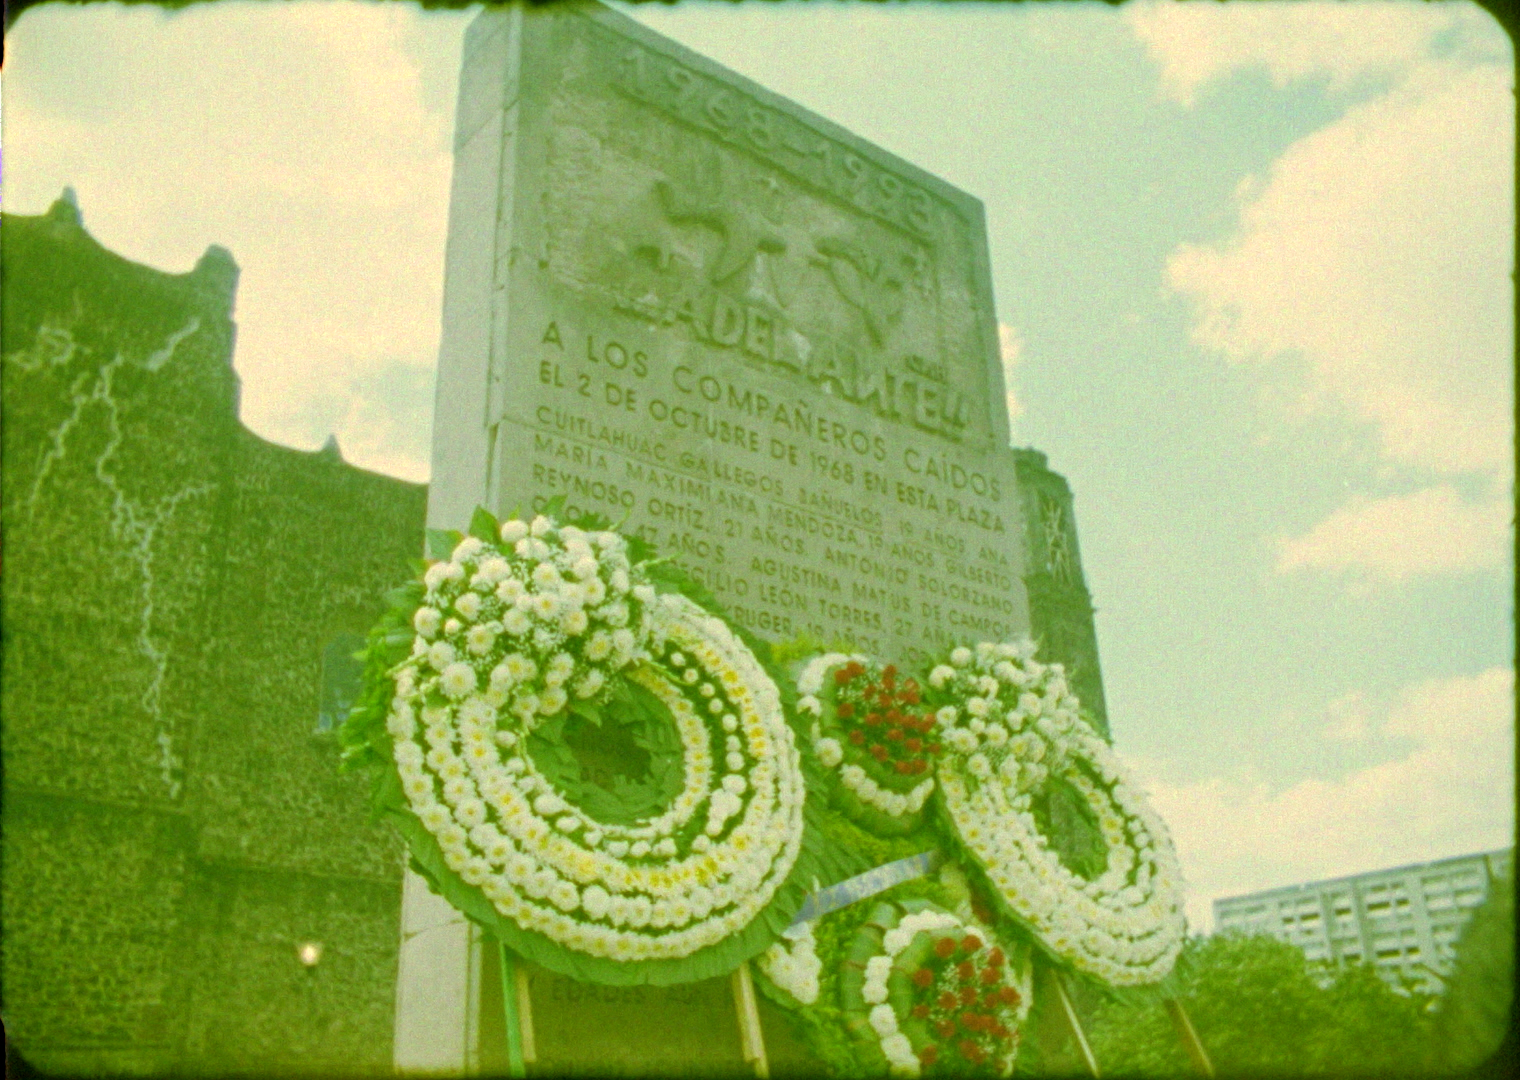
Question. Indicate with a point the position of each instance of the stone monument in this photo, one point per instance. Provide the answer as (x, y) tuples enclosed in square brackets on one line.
[(675, 298)]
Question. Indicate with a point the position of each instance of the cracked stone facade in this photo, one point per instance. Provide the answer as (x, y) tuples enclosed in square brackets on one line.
[(174, 823)]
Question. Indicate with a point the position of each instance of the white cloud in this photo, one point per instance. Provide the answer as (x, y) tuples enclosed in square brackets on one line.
[(1379, 250), (1011, 350), (1429, 531), (300, 137), (1372, 263), (1197, 44), (1450, 793)]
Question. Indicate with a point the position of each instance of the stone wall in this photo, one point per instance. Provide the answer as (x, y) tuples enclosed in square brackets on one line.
[(1060, 607), (174, 825)]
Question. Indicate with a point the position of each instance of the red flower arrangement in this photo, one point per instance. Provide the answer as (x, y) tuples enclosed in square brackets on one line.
[(883, 716), (967, 1004)]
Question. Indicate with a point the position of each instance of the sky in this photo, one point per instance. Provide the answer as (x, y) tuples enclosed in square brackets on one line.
[(1252, 265)]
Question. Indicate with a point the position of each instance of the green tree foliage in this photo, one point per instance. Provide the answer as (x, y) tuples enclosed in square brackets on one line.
[(1262, 1009), (1476, 1011)]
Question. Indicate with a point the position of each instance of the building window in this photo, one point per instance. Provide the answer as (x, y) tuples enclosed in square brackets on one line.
[(342, 675)]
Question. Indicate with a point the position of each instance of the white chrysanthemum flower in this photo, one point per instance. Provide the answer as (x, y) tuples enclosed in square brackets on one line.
[(599, 646), (509, 590), (899, 1051), (960, 657), (545, 606), (468, 606), (452, 626), (541, 526), (440, 655), (494, 568), (513, 531), (574, 622), (480, 639), (467, 549), (883, 1020), (457, 680), (829, 752), (564, 896), (553, 701), (427, 621), (596, 901)]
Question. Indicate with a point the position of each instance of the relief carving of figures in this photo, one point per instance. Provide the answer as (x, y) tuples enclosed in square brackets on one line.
[(866, 281)]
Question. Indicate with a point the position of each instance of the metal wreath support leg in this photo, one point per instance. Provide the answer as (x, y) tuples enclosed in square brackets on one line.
[(750, 1036), (1189, 1037), (518, 1007)]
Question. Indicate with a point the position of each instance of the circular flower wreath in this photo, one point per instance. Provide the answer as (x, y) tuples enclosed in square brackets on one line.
[(1012, 733), (511, 635), (871, 730), (933, 993)]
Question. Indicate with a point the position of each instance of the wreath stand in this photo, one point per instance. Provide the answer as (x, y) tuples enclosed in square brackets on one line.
[(518, 1006), (522, 1051), (1052, 984)]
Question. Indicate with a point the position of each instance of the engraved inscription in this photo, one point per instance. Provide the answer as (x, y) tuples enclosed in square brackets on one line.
[(802, 516), (778, 137)]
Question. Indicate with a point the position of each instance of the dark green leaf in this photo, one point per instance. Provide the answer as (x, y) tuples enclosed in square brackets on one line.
[(484, 526)]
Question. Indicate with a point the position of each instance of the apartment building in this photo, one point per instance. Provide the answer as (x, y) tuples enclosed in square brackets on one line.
[(1405, 920)]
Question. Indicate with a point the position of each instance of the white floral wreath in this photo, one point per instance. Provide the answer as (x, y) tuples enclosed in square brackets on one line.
[(1018, 726), (901, 1057), (481, 678), (896, 805)]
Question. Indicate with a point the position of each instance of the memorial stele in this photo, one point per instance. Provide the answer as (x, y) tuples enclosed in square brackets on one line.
[(676, 298)]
